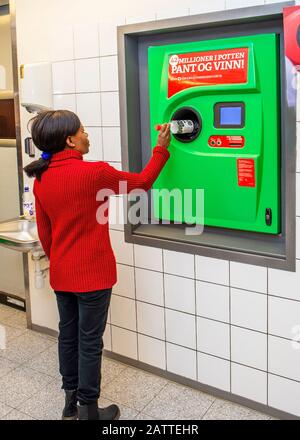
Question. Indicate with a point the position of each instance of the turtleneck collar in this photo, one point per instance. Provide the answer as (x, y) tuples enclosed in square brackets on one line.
[(66, 154)]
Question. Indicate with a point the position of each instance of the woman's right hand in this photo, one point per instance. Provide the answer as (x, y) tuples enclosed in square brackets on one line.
[(164, 136)]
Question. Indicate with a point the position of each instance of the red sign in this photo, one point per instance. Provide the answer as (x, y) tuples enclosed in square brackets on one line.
[(291, 20), (246, 172), (220, 141), (226, 66)]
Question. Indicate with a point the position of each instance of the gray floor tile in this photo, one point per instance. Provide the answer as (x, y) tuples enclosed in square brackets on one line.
[(6, 312), (24, 347), (110, 370), (17, 320), (224, 410), (134, 388), (16, 415), (20, 384), (30, 385), (46, 362), (179, 402), (6, 366), (46, 404), (4, 409), (13, 332), (42, 335), (142, 416)]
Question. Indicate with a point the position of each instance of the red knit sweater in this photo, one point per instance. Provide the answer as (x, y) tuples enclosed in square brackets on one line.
[(78, 247)]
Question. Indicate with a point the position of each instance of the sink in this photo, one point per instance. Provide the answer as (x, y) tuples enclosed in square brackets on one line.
[(19, 234)]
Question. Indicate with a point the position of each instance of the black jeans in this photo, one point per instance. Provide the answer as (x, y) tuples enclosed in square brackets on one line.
[(82, 323)]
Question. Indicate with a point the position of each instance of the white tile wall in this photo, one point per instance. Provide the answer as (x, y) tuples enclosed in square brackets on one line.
[(123, 312), (267, 2), (109, 73), (65, 102), (249, 348), (61, 43), (249, 309), (284, 317), (107, 337), (212, 301), (214, 371), (89, 108), (284, 357), (197, 7), (111, 144), (213, 338), (139, 16), (116, 213), (125, 285), (249, 383), (212, 269), (284, 394), (110, 109), (95, 138), (86, 40), (108, 35), (182, 361), (179, 263), (63, 77), (123, 251), (116, 165), (148, 257), (285, 284), (233, 4), (247, 276), (181, 328), (124, 342), (87, 75), (152, 351), (176, 10), (149, 286), (150, 320), (179, 293)]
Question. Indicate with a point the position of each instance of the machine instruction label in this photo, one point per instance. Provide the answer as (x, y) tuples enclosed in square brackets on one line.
[(246, 172)]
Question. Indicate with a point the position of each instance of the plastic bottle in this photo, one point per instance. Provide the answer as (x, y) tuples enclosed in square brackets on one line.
[(28, 209), (180, 127)]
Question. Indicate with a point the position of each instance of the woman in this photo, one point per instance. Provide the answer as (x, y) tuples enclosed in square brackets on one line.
[(82, 262)]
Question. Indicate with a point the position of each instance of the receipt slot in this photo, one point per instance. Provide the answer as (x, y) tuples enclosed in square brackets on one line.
[(229, 88)]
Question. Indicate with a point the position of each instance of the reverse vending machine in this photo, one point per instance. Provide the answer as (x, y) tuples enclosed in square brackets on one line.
[(229, 89)]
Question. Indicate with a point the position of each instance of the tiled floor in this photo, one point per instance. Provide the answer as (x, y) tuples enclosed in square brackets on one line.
[(30, 384)]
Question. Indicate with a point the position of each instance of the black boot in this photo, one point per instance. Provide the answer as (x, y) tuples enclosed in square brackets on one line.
[(70, 409), (92, 412)]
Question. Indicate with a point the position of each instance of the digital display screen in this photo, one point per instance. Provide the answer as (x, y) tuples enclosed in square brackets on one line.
[(231, 116)]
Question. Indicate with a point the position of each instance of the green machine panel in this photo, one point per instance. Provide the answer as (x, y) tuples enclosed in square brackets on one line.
[(229, 89)]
